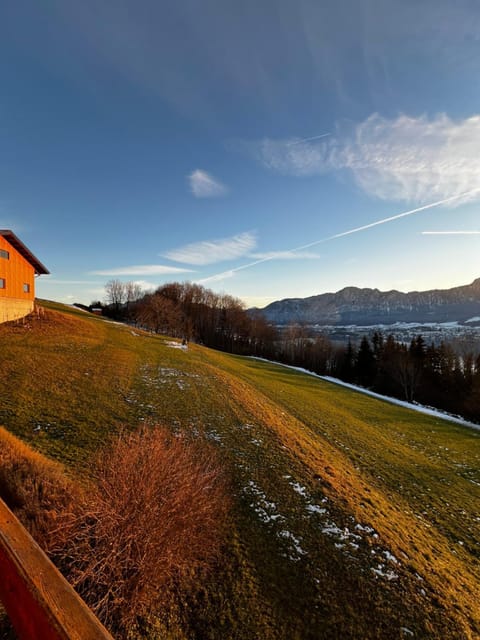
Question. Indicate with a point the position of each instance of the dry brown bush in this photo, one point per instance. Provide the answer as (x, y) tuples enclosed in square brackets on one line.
[(151, 518), (154, 515)]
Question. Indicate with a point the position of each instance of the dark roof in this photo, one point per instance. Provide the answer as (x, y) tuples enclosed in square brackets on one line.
[(17, 244)]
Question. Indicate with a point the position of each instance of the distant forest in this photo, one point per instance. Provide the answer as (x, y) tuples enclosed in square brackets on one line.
[(434, 375)]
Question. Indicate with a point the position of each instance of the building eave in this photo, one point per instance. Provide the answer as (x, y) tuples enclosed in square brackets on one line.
[(18, 245)]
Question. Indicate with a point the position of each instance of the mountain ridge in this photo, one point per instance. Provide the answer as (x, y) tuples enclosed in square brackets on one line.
[(366, 306)]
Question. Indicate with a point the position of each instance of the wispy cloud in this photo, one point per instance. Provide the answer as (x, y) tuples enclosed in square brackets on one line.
[(402, 159), (450, 233), (48, 279), (365, 227), (203, 185), (145, 285), (301, 140), (285, 255), (140, 270), (210, 251)]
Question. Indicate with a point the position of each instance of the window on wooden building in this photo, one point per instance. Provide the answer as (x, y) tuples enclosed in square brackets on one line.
[(26, 287), (4, 254), (3, 283)]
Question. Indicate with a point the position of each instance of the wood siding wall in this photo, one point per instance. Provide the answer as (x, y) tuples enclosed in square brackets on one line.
[(17, 272), (14, 301)]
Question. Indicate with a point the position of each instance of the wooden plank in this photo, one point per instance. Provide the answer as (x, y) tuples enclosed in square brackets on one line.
[(39, 601)]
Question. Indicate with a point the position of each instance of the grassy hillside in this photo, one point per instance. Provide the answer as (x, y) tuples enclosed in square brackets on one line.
[(353, 518)]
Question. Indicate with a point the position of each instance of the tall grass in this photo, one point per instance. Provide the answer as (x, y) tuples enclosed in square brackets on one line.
[(151, 517), (35, 488)]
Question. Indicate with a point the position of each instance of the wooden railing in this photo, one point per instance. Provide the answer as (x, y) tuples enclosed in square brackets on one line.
[(39, 601)]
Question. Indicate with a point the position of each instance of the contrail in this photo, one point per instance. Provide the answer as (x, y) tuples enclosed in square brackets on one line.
[(323, 135), (364, 227)]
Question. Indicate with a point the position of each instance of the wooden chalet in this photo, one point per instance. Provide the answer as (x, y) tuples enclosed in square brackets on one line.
[(18, 268)]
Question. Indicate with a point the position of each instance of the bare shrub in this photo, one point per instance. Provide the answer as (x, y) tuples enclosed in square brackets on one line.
[(153, 516)]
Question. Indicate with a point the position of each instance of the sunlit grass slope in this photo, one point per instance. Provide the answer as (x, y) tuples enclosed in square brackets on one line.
[(353, 518)]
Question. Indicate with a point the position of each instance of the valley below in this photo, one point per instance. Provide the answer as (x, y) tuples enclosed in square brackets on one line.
[(461, 336)]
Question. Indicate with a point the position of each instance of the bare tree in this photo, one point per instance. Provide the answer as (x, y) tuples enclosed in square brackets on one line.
[(115, 293), (133, 292), (161, 315)]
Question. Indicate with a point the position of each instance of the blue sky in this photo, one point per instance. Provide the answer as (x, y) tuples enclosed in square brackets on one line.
[(249, 146)]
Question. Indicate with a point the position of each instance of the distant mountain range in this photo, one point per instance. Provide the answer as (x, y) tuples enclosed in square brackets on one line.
[(354, 306)]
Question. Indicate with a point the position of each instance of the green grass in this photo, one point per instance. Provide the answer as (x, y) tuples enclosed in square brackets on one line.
[(353, 518)]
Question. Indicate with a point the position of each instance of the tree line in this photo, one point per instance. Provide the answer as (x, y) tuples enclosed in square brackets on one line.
[(191, 312), (430, 374)]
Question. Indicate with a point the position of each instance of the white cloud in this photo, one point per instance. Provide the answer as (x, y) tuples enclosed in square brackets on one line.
[(48, 279), (140, 270), (203, 185), (145, 285), (285, 255), (210, 251), (450, 233), (403, 159)]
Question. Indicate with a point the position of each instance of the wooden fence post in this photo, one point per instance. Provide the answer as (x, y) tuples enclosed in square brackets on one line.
[(40, 603)]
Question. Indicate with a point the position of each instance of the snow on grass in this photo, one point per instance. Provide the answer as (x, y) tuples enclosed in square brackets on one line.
[(265, 509), (348, 539), (214, 435), (314, 508), (298, 488), (155, 378), (295, 544), (302, 491), (382, 572), (390, 557), (176, 345)]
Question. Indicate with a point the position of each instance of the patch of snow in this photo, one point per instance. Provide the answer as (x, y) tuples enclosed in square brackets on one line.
[(176, 345), (299, 489), (314, 508), (331, 529), (288, 535), (213, 435), (168, 372), (264, 508), (390, 557), (368, 530), (474, 319), (388, 574)]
